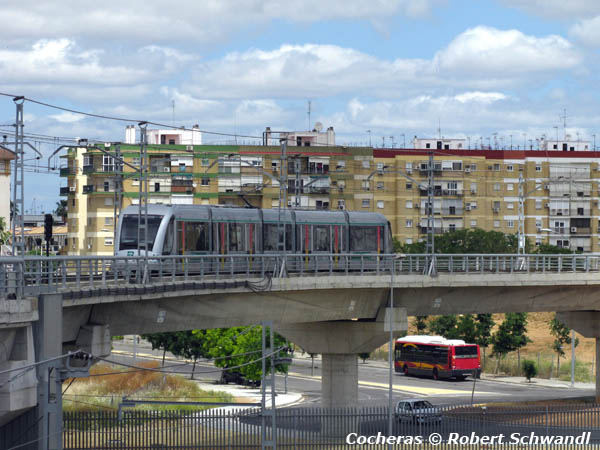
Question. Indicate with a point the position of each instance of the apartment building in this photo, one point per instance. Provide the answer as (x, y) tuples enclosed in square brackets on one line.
[(6, 156), (318, 178), (480, 188)]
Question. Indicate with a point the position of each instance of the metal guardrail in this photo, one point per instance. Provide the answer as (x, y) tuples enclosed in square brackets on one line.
[(440, 427), (32, 275)]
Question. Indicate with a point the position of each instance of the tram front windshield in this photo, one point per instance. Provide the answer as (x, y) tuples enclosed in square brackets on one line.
[(129, 231)]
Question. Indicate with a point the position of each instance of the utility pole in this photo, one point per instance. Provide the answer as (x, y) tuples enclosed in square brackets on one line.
[(143, 203), (297, 169), (430, 248), (283, 185), (265, 441), (18, 194)]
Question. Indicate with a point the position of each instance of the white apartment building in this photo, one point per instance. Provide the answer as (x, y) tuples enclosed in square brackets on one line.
[(314, 138), (166, 137)]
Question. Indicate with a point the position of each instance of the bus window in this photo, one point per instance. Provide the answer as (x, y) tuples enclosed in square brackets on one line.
[(466, 351)]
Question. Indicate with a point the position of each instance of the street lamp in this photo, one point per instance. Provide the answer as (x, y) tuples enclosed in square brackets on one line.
[(403, 141), (369, 131)]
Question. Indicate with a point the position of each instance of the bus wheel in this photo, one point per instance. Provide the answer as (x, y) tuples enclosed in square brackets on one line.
[(405, 371), (460, 378), (435, 374)]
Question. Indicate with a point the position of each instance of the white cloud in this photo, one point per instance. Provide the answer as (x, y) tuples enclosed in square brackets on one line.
[(557, 9), (185, 21), (587, 31), (481, 97), (67, 117), (505, 53)]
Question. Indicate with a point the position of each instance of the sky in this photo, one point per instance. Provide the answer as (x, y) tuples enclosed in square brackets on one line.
[(400, 68)]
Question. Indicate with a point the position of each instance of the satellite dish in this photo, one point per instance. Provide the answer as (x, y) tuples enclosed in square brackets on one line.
[(318, 126)]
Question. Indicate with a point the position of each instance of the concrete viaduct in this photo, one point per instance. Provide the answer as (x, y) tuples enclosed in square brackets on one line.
[(334, 306)]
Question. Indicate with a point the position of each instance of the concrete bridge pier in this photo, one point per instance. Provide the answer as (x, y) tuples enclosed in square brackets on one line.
[(339, 343), (586, 323)]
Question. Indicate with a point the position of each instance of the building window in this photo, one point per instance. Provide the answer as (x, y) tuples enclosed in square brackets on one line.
[(366, 164), (496, 224), (88, 160), (366, 185), (108, 163), (409, 204), (341, 204), (538, 204), (341, 164), (366, 203), (473, 223), (538, 168), (408, 186), (496, 167), (73, 203), (473, 167), (473, 188), (409, 223), (496, 206), (580, 212), (496, 186), (452, 227), (510, 205), (380, 204), (510, 186), (135, 161), (452, 210), (380, 166), (108, 242), (538, 224), (108, 221), (380, 185), (205, 162), (205, 181), (107, 186), (156, 187), (510, 223), (509, 168)]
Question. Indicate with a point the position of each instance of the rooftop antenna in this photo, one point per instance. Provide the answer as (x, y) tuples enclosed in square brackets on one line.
[(173, 112), (564, 121), (439, 129), (308, 115)]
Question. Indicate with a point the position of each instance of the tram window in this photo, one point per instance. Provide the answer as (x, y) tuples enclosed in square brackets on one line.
[(321, 238), (193, 237), (169, 238), (364, 239), (270, 233), (236, 237)]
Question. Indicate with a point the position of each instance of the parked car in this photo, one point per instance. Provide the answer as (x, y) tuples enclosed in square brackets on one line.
[(418, 411), (232, 376)]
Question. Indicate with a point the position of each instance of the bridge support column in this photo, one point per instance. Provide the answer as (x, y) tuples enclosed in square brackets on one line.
[(586, 323), (339, 343)]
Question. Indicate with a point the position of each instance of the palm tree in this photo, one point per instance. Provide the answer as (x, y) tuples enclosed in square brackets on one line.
[(61, 209)]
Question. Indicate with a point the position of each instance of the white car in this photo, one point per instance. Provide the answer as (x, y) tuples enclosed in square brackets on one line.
[(417, 410)]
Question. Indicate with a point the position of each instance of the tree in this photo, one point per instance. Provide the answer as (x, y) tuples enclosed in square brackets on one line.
[(446, 326), (61, 209), (160, 341), (364, 356), (510, 336), (562, 337), (483, 325), (4, 233), (420, 324), (529, 369)]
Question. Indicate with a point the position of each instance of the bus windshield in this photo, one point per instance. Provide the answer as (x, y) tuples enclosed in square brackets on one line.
[(467, 351), (129, 231)]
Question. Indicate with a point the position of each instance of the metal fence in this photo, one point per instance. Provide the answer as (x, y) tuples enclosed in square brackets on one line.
[(33, 275), (444, 427)]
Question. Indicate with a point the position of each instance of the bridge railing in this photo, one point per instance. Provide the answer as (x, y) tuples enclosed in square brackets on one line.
[(32, 275)]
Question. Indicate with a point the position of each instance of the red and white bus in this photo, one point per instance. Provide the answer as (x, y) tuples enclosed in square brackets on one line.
[(437, 357)]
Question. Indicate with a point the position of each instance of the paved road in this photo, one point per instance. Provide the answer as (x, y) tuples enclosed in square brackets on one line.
[(374, 382)]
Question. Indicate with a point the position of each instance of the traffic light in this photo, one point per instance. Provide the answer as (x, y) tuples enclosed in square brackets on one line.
[(48, 222)]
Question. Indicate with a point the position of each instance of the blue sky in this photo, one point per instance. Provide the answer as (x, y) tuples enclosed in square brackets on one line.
[(395, 67)]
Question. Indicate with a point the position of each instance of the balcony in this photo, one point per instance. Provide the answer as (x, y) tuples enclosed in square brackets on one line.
[(182, 186), (65, 171), (65, 190), (88, 169), (88, 189), (443, 192)]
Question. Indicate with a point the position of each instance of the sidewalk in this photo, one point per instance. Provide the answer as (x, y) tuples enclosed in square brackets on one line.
[(542, 382), (246, 394)]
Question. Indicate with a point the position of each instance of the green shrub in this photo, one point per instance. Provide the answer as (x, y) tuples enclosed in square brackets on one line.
[(529, 369)]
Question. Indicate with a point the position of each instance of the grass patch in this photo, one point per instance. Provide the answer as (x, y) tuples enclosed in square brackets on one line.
[(107, 385)]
